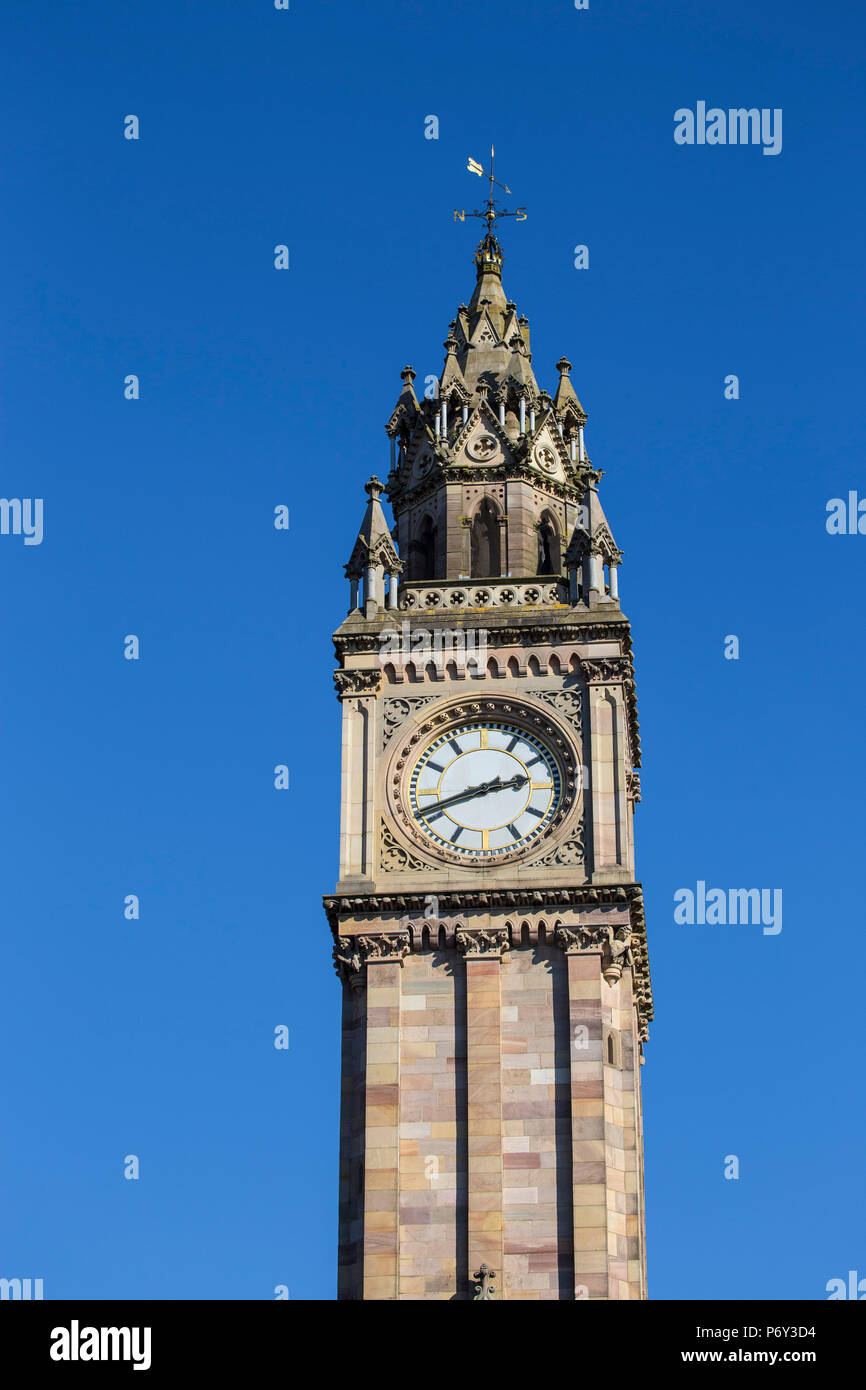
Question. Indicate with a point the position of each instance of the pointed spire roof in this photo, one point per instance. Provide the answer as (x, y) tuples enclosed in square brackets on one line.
[(487, 360), (565, 393), (373, 544), (592, 532), (406, 408), (487, 336)]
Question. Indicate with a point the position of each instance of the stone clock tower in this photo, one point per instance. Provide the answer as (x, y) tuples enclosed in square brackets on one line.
[(489, 932)]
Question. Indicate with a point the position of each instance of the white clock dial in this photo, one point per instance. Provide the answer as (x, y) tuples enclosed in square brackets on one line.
[(485, 789)]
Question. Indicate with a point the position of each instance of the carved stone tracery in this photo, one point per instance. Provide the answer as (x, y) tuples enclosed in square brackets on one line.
[(395, 713)]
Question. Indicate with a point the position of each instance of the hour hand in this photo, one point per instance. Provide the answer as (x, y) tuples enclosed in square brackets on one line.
[(496, 784)]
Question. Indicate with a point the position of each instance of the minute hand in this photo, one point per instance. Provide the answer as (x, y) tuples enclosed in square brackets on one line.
[(496, 785)]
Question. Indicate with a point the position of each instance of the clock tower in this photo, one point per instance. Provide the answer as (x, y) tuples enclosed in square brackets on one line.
[(488, 928)]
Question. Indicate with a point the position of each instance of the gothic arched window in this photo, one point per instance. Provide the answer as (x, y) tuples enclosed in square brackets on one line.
[(424, 551), (486, 551), (548, 545)]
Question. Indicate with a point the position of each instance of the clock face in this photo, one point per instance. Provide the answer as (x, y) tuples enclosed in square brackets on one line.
[(485, 789)]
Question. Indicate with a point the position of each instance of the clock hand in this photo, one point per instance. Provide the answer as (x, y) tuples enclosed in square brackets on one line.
[(482, 789)]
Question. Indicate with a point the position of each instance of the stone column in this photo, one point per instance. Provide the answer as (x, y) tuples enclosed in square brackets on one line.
[(483, 953), (596, 572), (625, 1244), (382, 1118), (612, 571), (589, 1177), (609, 803), (465, 548)]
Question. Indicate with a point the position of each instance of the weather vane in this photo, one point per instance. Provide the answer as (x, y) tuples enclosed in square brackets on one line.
[(491, 212)]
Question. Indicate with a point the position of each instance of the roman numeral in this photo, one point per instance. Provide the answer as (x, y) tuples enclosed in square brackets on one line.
[(455, 745), (457, 833), (532, 811), (513, 744), (435, 767), (515, 832), (536, 759)]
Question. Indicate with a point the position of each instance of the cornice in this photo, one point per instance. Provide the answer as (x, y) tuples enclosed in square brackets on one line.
[(619, 944), (533, 629), (593, 670), (482, 899)]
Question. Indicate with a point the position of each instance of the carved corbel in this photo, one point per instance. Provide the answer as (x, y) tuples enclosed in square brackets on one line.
[(613, 942), (351, 952), (357, 682), (482, 943)]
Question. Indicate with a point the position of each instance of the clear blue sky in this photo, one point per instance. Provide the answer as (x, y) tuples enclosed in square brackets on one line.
[(261, 387)]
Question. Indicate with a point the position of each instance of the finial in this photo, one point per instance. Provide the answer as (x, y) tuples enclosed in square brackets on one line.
[(563, 366), (408, 375), (374, 488)]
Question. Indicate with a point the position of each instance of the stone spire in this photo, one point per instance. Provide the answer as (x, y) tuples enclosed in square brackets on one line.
[(374, 555), (489, 472)]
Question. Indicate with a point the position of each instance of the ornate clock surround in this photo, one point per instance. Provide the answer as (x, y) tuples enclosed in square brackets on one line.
[(450, 714)]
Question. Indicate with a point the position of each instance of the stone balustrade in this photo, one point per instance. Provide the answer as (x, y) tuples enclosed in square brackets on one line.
[(419, 597)]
